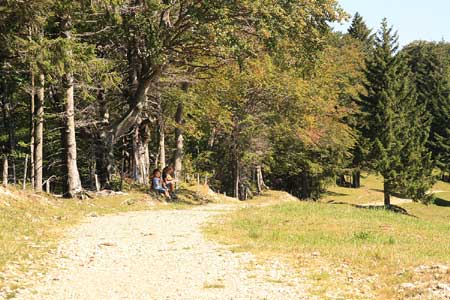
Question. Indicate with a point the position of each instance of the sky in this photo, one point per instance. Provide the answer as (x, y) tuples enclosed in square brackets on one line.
[(413, 19)]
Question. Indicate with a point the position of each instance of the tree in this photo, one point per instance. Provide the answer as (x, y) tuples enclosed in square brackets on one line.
[(396, 124), (192, 36), (431, 81), (359, 31)]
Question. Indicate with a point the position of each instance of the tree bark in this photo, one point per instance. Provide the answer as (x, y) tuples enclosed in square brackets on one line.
[(261, 186), (387, 195), (32, 129), (39, 136), (141, 159), (356, 180), (73, 176), (5, 172), (237, 180), (179, 140), (25, 170), (162, 141), (105, 146)]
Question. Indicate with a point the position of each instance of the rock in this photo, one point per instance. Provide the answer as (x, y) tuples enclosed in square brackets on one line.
[(408, 286), (129, 202), (443, 286)]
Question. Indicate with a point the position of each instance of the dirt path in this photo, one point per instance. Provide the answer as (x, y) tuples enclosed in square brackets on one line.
[(160, 255)]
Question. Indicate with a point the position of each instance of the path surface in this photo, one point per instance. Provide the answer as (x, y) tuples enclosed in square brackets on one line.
[(160, 255)]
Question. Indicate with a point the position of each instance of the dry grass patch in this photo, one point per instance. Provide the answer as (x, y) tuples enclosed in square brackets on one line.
[(31, 225)]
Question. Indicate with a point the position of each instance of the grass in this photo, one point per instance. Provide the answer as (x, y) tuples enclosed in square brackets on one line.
[(213, 286), (31, 225), (373, 243)]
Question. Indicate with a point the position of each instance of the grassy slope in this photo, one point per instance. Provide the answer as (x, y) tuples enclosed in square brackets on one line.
[(31, 225), (376, 243)]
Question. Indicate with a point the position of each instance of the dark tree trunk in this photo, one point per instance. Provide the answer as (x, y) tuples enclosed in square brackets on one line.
[(387, 195), (356, 180), (305, 192)]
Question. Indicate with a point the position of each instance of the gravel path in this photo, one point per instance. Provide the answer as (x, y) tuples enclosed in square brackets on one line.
[(160, 255)]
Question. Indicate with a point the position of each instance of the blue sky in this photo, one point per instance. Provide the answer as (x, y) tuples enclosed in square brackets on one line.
[(413, 19)]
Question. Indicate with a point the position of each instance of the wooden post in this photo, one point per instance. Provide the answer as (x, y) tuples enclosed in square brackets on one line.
[(25, 170), (47, 186), (198, 178)]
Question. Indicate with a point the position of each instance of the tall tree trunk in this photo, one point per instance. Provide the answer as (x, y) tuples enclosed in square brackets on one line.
[(356, 181), (260, 179), (39, 136), (105, 144), (179, 140), (73, 176), (32, 129), (5, 171), (25, 170), (140, 153), (387, 195), (162, 141), (237, 180)]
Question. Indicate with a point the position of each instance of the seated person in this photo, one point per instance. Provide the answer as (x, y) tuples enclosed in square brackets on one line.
[(168, 178), (158, 184)]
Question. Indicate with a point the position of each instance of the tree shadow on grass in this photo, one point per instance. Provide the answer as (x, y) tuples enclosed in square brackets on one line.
[(334, 194), (393, 208), (442, 202)]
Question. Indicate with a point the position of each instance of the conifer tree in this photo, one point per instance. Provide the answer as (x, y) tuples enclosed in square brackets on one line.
[(396, 124), (433, 91), (361, 32)]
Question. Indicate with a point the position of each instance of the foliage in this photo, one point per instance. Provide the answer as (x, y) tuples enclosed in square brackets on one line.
[(396, 124)]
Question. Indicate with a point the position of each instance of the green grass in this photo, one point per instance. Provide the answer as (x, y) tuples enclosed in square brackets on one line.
[(335, 232)]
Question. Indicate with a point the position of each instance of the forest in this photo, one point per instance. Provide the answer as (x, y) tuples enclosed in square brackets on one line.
[(96, 94)]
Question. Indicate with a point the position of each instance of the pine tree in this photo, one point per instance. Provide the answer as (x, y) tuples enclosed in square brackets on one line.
[(433, 91), (359, 31), (396, 124)]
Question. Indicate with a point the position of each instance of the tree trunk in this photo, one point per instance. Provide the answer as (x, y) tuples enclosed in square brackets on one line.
[(39, 136), (140, 153), (25, 170), (73, 177), (261, 186), (105, 144), (237, 180), (179, 141), (162, 142), (32, 126), (387, 195), (5, 171), (236, 158), (356, 180)]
